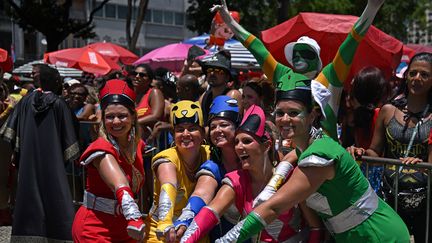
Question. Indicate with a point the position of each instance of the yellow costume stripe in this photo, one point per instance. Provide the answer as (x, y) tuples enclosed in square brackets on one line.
[(249, 40), (322, 79), (341, 68), (167, 199), (269, 66), (356, 36)]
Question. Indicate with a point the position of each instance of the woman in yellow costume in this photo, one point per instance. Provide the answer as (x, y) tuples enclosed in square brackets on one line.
[(175, 169)]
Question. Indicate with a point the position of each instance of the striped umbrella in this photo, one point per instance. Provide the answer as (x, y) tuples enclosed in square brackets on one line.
[(26, 70), (241, 58)]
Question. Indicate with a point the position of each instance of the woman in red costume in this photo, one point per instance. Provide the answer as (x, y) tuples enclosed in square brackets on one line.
[(114, 173)]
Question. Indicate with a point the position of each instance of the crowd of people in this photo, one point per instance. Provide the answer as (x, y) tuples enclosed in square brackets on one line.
[(199, 156)]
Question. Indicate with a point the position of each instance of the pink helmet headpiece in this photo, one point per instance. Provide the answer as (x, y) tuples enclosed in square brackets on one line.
[(254, 122)]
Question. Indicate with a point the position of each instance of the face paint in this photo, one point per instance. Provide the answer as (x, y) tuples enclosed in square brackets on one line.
[(305, 60)]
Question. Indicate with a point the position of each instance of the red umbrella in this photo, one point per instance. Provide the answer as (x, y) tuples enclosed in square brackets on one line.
[(417, 48), (115, 52), (407, 53), (5, 61), (84, 58), (330, 30), (3, 55)]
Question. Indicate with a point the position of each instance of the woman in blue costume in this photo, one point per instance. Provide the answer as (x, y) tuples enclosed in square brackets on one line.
[(223, 120)]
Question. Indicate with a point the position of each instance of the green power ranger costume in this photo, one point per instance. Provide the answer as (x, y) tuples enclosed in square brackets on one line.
[(349, 207), (327, 86)]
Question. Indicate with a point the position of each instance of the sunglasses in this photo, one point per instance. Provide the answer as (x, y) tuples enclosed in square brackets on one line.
[(215, 70), (306, 54), (141, 75)]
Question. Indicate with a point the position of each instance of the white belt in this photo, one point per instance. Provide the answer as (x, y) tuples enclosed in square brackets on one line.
[(354, 215), (101, 204)]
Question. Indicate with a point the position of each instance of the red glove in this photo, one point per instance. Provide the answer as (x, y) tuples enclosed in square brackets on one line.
[(125, 199)]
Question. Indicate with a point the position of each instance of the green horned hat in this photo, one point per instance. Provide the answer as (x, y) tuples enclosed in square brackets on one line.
[(295, 87)]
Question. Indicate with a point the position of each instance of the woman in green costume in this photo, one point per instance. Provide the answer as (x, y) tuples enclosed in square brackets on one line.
[(328, 84), (327, 177)]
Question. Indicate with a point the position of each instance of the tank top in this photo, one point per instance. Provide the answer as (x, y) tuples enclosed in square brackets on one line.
[(144, 107), (397, 140)]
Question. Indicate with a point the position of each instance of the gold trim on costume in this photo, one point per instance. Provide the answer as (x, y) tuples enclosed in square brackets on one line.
[(71, 152), (8, 133)]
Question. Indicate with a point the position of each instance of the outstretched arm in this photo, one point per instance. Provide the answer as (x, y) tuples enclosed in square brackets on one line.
[(272, 69), (335, 74), (113, 176), (303, 182), (167, 175), (282, 171), (208, 217), (209, 177)]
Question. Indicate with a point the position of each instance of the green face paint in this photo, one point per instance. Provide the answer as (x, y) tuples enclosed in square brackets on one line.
[(304, 59)]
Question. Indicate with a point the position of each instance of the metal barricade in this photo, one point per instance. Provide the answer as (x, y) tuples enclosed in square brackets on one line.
[(398, 164)]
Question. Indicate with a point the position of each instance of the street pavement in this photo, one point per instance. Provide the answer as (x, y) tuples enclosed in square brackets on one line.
[(5, 232)]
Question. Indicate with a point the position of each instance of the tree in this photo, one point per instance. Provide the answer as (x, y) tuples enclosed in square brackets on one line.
[(52, 19), (394, 17), (255, 15), (133, 38)]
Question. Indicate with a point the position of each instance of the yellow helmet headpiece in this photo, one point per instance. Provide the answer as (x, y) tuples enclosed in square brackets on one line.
[(186, 111)]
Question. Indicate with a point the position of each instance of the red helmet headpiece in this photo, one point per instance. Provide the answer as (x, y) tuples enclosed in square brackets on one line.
[(117, 91)]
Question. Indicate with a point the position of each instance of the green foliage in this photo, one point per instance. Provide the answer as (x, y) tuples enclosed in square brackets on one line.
[(51, 18), (393, 18), (254, 15)]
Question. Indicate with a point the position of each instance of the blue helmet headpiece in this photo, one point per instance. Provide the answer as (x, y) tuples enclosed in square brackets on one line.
[(225, 107)]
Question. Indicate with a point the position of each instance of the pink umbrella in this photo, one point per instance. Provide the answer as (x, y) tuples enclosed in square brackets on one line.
[(170, 56)]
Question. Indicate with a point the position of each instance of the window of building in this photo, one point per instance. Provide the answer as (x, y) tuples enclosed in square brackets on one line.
[(99, 13), (179, 19), (148, 16), (157, 16), (168, 17), (76, 43), (122, 11), (110, 11)]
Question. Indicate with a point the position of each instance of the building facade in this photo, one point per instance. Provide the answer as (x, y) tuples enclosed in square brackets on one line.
[(165, 23), (417, 35)]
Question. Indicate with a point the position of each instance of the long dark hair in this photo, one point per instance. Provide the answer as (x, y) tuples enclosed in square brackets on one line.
[(402, 101), (369, 88), (148, 69)]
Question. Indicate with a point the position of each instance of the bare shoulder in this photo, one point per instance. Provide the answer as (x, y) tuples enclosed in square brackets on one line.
[(156, 91), (386, 113)]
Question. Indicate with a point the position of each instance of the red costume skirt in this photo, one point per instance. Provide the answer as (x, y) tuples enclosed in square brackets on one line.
[(93, 226)]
